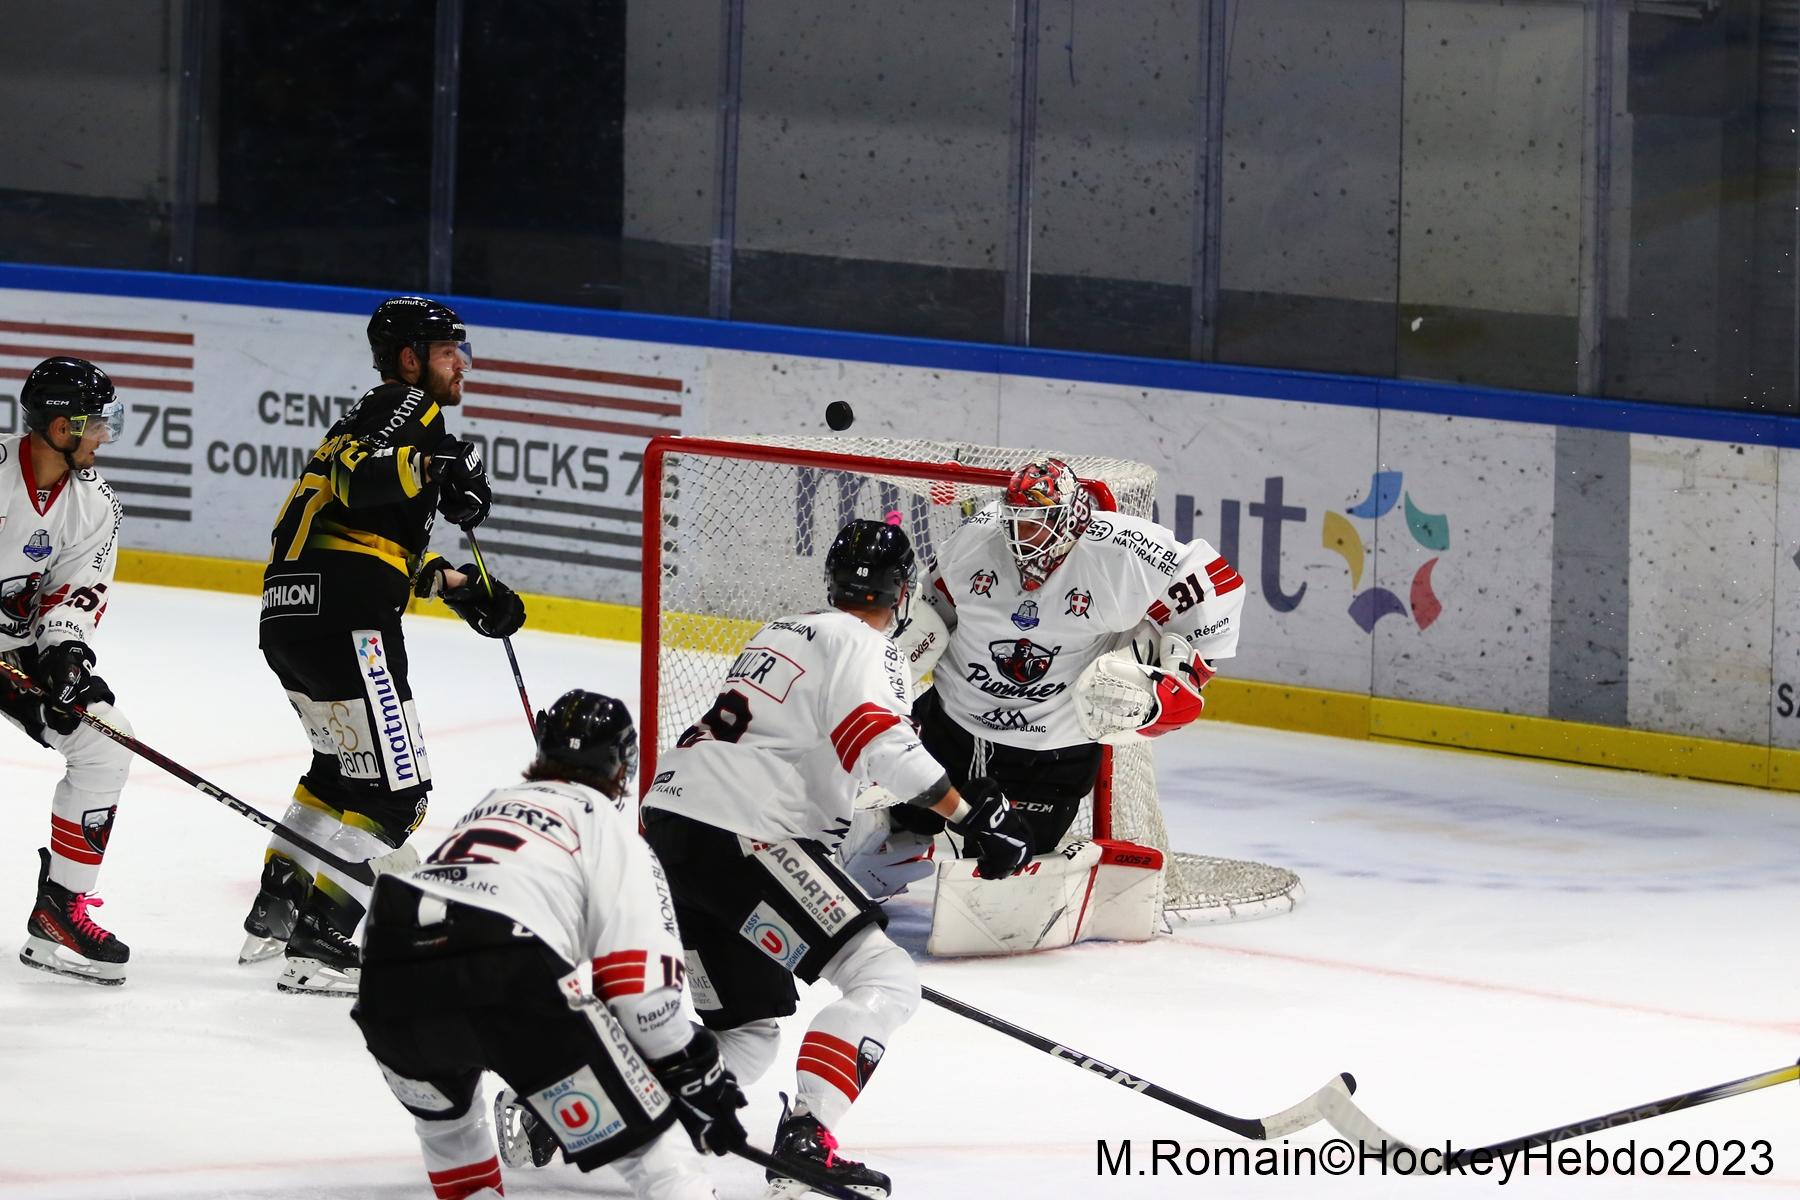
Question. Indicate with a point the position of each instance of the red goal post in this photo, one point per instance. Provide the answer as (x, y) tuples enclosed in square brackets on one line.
[(735, 532)]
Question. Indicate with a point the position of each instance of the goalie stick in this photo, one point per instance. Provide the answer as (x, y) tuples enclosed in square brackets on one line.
[(1351, 1122), (1262, 1129), (362, 872), (518, 678)]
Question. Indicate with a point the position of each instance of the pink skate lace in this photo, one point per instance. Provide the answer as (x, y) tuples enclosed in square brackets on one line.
[(830, 1144), (78, 913)]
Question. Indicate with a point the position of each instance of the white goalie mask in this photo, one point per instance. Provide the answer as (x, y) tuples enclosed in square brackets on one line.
[(1044, 511)]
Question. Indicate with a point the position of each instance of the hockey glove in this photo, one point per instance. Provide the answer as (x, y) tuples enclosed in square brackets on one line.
[(463, 491), (706, 1095), (63, 673), (494, 615), (1000, 835)]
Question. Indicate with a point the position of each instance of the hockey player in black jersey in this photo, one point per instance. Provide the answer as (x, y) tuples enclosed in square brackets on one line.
[(349, 547)]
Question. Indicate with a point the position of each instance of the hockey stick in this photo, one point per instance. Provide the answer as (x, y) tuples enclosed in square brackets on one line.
[(1289, 1120), (805, 1174), (481, 566), (362, 872), (1350, 1121)]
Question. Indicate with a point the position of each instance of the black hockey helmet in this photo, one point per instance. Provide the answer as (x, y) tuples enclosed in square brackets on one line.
[(869, 565), (590, 733), (412, 321), (68, 387)]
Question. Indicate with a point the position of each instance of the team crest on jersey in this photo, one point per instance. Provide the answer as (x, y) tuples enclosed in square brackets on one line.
[(18, 600), (1025, 616), (1022, 660), (38, 548), (1079, 602), (981, 583)]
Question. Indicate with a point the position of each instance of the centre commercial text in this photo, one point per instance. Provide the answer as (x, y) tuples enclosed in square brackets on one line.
[(549, 463)]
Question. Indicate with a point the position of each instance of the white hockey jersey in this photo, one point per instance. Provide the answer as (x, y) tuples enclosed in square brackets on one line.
[(567, 863), (57, 550), (1009, 670), (814, 709)]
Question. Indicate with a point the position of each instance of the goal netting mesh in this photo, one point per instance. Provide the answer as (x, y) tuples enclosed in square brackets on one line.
[(735, 534)]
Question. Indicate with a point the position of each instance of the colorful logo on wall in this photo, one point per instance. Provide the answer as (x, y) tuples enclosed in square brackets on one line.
[(1430, 530)]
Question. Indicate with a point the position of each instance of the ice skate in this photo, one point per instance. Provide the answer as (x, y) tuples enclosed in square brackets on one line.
[(321, 960), (524, 1140), (64, 940), (272, 916), (800, 1138)]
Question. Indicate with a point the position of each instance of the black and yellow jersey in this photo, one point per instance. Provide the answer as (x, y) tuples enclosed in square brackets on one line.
[(352, 533)]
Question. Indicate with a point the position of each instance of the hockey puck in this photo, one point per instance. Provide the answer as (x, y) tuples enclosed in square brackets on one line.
[(839, 415)]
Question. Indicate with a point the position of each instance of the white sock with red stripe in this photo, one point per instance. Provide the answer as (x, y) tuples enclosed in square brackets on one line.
[(846, 1040), (80, 825), (459, 1154), (81, 810)]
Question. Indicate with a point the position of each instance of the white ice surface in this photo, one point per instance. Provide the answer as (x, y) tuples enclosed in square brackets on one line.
[(1490, 946)]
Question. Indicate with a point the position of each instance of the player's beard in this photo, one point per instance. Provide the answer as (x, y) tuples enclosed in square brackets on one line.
[(444, 386)]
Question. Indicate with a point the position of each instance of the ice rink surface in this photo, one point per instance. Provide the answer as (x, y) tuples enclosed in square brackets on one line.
[(1490, 946)]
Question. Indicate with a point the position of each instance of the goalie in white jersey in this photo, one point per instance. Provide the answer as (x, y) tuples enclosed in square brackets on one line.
[(745, 812), (1067, 628), (59, 536), (482, 957)]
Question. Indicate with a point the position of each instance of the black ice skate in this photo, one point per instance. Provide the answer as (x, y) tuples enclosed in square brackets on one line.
[(63, 939), (321, 959), (276, 910), (801, 1139)]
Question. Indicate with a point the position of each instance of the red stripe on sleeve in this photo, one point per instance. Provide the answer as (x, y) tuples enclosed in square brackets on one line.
[(620, 974), (1158, 612), (1224, 576), (858, 729)]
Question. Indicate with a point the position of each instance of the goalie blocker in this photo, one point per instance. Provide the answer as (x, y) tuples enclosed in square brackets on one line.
[(1098, 890)]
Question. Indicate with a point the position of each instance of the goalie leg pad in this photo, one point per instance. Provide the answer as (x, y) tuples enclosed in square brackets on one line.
[(1085, 891)]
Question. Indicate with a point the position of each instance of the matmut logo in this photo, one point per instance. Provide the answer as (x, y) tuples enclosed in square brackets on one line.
[(1430, 530), (392, 730)]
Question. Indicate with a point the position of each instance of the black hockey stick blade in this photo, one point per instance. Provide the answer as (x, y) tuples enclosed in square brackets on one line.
[(361, 872), (1351, 1122), (511, 658), (810, 1178), (1277, 1125)]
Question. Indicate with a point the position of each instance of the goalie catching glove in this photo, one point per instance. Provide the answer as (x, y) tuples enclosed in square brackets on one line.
[(1000, 836), (1141, 691), (706, 1095), (492, 610)]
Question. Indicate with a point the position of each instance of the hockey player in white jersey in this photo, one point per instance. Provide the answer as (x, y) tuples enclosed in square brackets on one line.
[(744, 815), (1067, 628), (59, 536), (539, 942)]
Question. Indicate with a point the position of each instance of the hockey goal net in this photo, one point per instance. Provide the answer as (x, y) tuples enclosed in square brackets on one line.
[(735, 533)]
